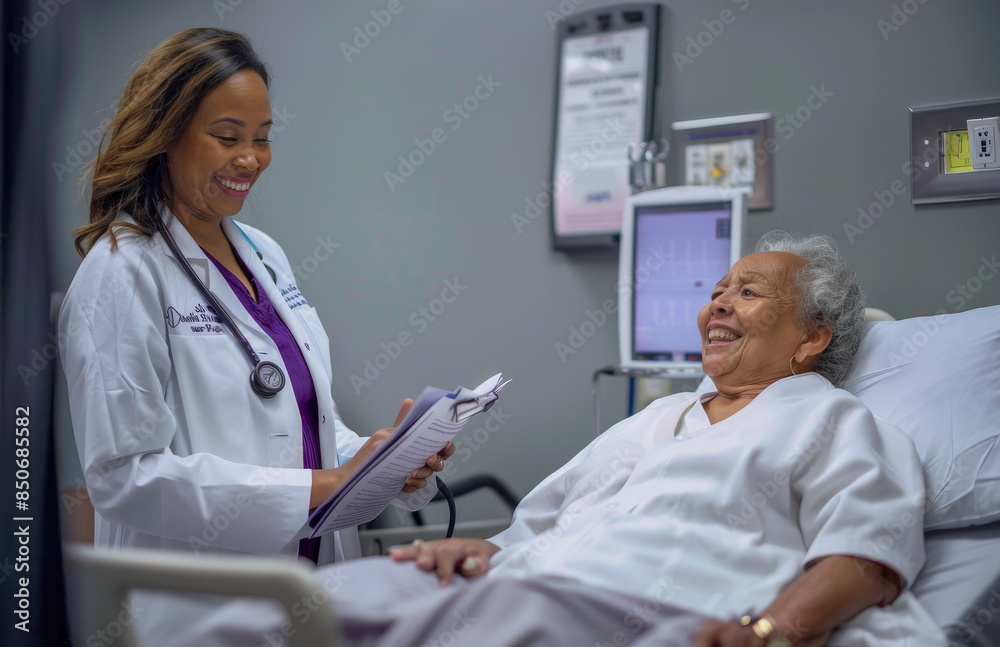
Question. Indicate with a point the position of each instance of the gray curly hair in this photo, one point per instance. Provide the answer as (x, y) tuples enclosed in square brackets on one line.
[(829, 293)]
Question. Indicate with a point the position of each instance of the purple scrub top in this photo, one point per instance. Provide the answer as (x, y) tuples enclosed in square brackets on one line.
[(298, 376)]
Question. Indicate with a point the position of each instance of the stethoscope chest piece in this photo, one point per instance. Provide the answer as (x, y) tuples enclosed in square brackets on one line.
[(267, 379)]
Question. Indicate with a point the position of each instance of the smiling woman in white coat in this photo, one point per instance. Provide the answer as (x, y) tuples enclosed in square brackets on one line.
[(179, 450)]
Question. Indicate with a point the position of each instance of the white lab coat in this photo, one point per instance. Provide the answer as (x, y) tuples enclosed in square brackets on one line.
[(177, 450)]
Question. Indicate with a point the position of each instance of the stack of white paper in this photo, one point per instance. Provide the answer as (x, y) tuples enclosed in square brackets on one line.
[(436, 416)]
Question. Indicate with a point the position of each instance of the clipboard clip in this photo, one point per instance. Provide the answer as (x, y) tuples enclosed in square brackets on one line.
[(477, 402)]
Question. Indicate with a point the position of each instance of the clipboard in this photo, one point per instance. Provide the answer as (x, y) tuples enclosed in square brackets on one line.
[(435, 418)]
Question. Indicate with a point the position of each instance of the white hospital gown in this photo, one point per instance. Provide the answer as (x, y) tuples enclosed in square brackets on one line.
[(719, 518)]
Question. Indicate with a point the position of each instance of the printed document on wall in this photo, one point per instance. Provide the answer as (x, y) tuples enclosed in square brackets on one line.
[(602, 106)]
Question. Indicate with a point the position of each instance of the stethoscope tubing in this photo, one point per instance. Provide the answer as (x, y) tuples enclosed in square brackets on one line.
[(256, 384)]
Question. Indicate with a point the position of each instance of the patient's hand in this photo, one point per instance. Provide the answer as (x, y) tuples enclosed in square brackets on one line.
[(466, 557), (718, 633), (832, 590)]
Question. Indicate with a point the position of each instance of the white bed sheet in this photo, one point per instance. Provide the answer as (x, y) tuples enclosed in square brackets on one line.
[(960, 584)]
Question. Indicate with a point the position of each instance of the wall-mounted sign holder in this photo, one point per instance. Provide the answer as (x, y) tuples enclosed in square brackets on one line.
[(605, 93)]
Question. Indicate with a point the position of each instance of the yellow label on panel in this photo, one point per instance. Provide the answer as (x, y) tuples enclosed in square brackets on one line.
[(956, 145)]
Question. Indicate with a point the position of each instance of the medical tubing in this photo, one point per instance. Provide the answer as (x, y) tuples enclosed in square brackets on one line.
[(452, 513), (220, 311)]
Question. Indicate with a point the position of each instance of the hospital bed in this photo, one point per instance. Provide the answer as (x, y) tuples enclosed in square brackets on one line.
[(935, 378), (98, 585), (938, 380)]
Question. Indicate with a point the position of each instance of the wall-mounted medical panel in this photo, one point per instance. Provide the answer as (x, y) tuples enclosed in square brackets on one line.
[(945, 148)]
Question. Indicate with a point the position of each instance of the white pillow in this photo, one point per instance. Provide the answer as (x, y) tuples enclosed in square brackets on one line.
[(938, 379)]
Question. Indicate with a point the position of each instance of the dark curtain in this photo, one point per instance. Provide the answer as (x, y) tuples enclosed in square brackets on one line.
[(30, 558)]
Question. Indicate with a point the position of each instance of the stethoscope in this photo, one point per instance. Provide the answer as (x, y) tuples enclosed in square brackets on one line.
[(266, 378)]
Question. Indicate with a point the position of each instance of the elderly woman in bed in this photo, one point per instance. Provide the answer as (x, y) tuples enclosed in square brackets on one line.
[(774, 502), (772, 511)]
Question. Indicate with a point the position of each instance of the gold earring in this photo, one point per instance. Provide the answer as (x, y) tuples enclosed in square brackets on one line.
[(790, 368)]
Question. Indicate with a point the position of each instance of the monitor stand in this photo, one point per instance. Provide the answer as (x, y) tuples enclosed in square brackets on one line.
[(687, 373)]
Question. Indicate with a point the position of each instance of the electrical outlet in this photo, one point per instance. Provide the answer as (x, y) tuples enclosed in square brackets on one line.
[(983, 142)]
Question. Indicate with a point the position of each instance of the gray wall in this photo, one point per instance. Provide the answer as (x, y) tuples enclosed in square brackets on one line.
[(342, 124)]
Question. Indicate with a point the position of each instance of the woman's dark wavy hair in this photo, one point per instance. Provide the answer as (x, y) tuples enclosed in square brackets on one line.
[(155, 109)]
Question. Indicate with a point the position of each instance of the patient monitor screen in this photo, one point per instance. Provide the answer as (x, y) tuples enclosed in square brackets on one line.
[(681, 252)]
